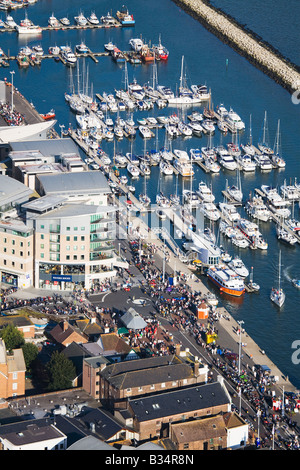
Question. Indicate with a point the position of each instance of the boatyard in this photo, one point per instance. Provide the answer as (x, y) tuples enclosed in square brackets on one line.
[(190, 214)]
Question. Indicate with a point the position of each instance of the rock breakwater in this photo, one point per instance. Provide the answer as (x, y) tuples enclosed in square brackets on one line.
[(244, 42)]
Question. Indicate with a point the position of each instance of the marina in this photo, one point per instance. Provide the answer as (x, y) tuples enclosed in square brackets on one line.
[(262, 320)]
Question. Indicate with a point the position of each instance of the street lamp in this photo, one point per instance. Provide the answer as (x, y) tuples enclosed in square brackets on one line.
[(241, 322), (12, 90)]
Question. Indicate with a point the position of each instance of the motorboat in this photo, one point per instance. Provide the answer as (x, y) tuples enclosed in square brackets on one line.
[(53, 21), (133, 170), (226, 280), (257, 209), (123, 179), (107, 20), (211, 165), (263, 162), (80, 19), (196, 155), (136, 90), (38, 50), (289, 192), (190, 198), (82, 48), (65, 21), (145, 169), (208, 126), (109, 46), (229, 212), (209, 209), (165, 92), (246, 163), (184, 129), (54, 50), (10, 22), (237, 265), (166, 168), (136, 44), (233, 121), (120, 159), (93, 19), (293, 224), (285, 236), (69, 57), (201, 91), (205, 192), (145, 132), (275, 202), (183, 166), (296, 283), (227, 161)]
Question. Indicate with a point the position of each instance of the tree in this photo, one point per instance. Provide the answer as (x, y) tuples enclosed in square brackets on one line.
[(61, 372), (12, 337), (30, 352)]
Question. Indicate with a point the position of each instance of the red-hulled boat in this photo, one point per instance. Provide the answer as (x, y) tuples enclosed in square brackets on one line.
[(48, 116)]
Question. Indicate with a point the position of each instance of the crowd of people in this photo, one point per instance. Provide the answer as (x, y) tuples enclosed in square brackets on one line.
[(175, 304), (11, 116)]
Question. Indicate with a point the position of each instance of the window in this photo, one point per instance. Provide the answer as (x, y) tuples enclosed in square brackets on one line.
[(21, 253), (42, 255), (68, 257), (42, 236), (42, 226), (82, 238), (75, 229), (82, 257), (42, 246), (75, 239), (13, 242), (75, 257), (21, 243), (68, 229), (13, 252), (68, 239)]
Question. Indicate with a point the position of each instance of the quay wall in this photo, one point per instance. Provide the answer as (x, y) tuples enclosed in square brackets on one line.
[(245, 42)]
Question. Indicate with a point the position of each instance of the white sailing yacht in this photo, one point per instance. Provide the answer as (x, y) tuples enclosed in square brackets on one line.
[(185, 95), (277, 295), (276, 156)]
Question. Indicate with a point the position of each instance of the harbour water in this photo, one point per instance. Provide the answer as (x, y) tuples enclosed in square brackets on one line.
[(233, 82)]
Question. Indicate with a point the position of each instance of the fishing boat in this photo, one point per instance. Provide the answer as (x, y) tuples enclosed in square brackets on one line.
[(277, 294), (161, 52), (226, 280), (147, 54), (125, 18), (118, 55), (237, 265)]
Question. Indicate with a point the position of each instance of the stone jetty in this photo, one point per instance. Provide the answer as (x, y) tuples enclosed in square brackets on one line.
[(258, 52)]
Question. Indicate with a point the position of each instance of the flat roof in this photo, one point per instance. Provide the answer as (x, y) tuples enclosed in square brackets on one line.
[(87, 182), (76, 210), (12, 190), (46, 146), (44, 203)]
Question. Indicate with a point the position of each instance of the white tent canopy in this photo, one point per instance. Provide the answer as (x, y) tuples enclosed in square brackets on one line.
[(132, 320)]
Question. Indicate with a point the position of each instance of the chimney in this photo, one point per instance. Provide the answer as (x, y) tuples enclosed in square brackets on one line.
[(196, 368), (177, 349), (65, 326)]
